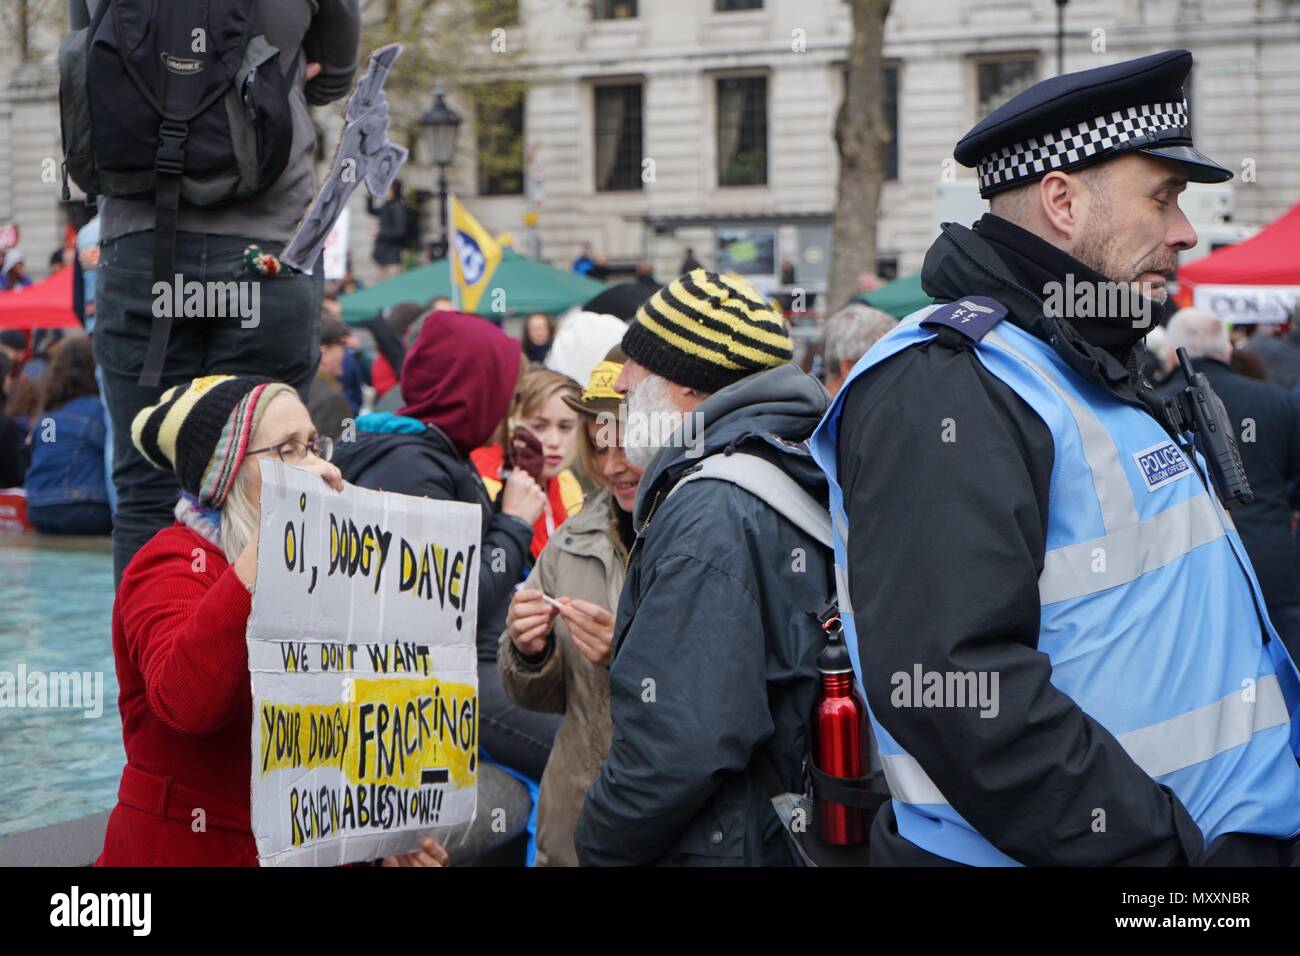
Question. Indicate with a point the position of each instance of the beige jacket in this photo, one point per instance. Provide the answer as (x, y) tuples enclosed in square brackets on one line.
[(583, 559)]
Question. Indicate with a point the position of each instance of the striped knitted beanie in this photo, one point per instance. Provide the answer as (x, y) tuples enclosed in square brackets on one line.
[(201, 430), (706, 331)]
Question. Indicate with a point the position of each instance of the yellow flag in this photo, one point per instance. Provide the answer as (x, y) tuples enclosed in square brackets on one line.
[(474, 257)]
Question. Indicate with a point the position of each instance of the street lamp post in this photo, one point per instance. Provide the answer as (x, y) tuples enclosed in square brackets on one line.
[(1060, 36), (439, 126)]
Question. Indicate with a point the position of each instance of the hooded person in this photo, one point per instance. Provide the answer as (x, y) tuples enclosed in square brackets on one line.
[(458, 379), (717, 617)]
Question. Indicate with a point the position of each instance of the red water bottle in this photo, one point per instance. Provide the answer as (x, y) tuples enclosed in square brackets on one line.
[(839, 737)]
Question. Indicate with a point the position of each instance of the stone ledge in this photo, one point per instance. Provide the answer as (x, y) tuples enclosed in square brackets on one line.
[(78, 842)]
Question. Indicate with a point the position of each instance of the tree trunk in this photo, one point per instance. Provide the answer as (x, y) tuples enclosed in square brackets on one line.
[(24, 32), (860, 136)]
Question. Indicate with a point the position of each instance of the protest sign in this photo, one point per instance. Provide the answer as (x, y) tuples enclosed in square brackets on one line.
[(364, 154), (365, 683)]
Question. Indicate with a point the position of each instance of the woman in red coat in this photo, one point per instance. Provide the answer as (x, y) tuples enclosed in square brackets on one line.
[(179, 621)]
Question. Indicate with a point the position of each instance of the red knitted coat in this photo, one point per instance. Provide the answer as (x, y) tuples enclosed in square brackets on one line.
[(185, 698)]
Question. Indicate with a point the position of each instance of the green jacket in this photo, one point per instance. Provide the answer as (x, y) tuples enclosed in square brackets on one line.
[(583, 559)]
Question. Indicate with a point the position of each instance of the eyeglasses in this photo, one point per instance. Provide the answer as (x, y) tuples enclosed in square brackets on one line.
[(293, 451)]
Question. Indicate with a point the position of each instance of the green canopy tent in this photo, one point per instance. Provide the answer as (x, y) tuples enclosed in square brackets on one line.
[(899, 298), (529, 286)]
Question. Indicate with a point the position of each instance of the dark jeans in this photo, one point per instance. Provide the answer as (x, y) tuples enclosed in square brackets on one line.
[(517, 738), (85, 517), (282, 342)]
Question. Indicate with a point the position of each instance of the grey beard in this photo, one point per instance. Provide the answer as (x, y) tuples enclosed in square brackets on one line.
[(649, 410)]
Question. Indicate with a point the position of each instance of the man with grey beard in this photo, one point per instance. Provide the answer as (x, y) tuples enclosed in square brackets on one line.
[(712, 682)]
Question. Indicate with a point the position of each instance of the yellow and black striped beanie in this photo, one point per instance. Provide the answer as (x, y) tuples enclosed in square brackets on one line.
[(707, 331), (201, 430)]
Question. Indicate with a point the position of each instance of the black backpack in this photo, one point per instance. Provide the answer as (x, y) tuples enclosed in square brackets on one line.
[(164, 101)]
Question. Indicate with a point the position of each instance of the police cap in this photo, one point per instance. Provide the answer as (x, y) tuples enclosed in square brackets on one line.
[(1078, 119)]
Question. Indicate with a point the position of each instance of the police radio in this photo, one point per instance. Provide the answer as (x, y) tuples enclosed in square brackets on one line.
[(1198, 410)]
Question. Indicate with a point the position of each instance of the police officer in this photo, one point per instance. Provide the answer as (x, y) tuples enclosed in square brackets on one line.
[(1064, 648)]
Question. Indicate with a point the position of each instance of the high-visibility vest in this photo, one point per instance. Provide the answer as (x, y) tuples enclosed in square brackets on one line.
[(1149, 609)]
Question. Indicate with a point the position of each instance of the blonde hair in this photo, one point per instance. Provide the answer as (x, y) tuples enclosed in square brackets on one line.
[(239, 517), (587, 448), (536, 386), (239, 513)]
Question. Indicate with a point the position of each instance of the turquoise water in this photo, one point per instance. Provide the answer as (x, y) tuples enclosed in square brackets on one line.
[(57, 764)]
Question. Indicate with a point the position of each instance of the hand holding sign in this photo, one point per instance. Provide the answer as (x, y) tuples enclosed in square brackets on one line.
[(430, 853), (246, 563)]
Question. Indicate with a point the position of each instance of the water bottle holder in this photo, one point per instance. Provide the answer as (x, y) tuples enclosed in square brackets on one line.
[(862, 793)]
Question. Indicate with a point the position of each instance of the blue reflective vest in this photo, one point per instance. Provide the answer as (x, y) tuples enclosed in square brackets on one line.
[(1142, 564)]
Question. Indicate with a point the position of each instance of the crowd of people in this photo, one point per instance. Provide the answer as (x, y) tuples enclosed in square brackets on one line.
[(445, 405), (651, 623), (53, 437)]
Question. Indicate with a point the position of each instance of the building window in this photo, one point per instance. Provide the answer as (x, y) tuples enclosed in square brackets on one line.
[(618, 137), (499, 125), (742, 131), (726, 6), (613, 9), (1000, 80), (491, 14)]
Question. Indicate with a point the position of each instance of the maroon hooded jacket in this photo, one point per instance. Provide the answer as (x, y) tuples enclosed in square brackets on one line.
[(458, 380), (460, 376)]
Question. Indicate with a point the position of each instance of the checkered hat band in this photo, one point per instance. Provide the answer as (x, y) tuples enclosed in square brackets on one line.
[(1078, 142)]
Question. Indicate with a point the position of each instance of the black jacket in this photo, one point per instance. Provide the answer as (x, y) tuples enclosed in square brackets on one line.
[(1280, 355), (947, 542), (714, 647), (427, 465), (1266, 423), (392, 235)]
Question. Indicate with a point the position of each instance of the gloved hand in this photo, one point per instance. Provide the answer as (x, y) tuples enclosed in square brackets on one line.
[(526, 453)]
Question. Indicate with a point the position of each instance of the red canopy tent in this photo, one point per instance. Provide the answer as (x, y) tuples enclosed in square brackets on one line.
[(42, 305), (1257, 280)]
